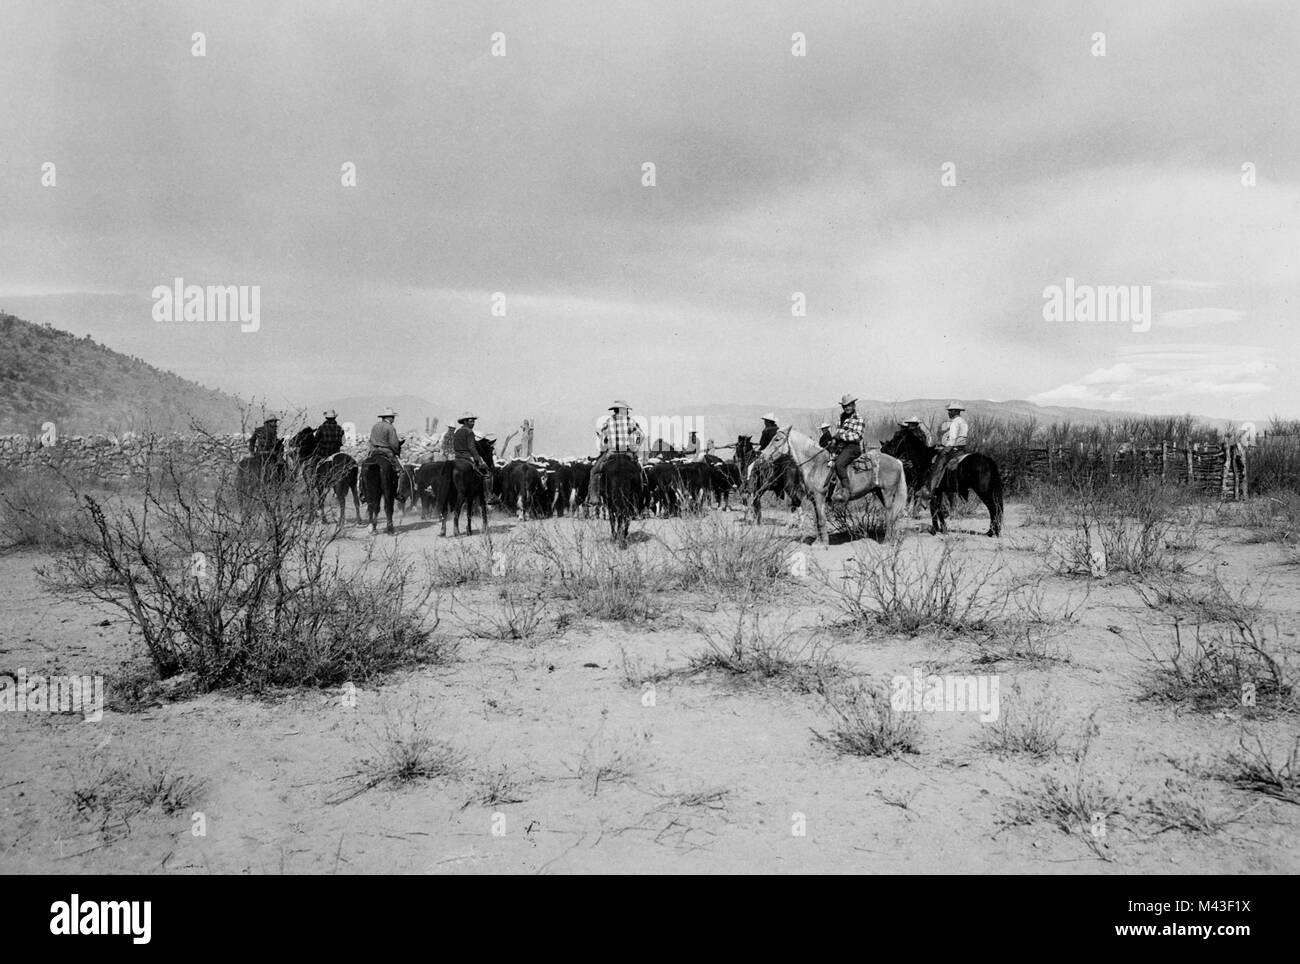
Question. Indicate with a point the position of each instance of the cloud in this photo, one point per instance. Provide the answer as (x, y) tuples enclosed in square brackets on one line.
[(1169, 376), (1195, 317)]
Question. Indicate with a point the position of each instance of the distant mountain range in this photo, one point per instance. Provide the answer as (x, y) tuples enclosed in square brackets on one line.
[(51, 375)]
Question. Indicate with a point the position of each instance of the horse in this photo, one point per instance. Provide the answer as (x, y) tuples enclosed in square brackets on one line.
[(815, 466), (256, 474), (337, 473), (379, 479), (461, 484), (621, 481), (974, 473), (781, 478)]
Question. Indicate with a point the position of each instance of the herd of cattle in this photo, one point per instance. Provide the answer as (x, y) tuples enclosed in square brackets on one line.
[(532, 488), (542, 487)]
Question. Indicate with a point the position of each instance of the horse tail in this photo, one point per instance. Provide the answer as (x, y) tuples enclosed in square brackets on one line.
[(995, 485)]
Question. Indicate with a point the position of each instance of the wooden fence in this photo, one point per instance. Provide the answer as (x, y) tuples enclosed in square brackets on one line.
[(1205, 466)]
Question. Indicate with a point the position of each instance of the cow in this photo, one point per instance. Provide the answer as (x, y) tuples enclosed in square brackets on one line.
[(523, 489)]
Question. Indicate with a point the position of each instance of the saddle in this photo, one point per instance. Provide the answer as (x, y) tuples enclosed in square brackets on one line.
[(867, 468), (956, 460)]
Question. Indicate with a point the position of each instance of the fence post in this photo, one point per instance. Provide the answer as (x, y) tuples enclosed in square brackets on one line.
[(1164, 458)]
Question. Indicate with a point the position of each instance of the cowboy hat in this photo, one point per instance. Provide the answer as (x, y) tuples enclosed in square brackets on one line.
[(956, 406), (466, 416), (911, 420), (330, 413), (848, 399), (619, 403), (271, 418), (824, 425), (770, 417), (388, 413)]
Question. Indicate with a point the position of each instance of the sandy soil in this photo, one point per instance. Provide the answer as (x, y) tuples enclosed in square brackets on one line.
[(718, 776)]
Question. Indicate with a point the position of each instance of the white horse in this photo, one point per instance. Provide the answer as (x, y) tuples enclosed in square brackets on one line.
[(816, 466)]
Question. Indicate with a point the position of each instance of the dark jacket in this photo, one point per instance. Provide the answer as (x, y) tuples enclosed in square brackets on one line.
[(465, 446), (329, 438), (262, 441), (768, 433)]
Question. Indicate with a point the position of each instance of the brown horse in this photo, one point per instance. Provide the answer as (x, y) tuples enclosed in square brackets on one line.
[(379, 479)]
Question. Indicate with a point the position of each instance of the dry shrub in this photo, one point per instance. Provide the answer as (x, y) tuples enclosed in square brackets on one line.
[(405, 750), (247, 600), (38, 510), (754, 652), (1030, 728), (1217, 666), (1135, 529), (899, 589), (112, 793), (863, 722), (712, 553), (580, 563), (1265, 770)]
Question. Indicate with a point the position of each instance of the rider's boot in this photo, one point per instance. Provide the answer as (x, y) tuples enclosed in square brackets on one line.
[(840, 488)]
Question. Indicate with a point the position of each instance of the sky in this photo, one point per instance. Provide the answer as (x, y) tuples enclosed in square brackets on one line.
[(1170, 162)]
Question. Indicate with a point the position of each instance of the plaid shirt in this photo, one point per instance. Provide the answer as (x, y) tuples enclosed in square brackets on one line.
[(851, 428), (618, 433), (329, 438)]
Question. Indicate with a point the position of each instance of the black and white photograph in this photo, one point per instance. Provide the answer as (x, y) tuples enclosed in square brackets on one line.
[(594, 437)]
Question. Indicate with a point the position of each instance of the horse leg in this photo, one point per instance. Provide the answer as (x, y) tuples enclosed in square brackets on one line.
[(819, 517)]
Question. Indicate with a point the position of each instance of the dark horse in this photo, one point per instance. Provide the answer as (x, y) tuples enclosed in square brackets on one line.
[(975, 473), (337, 474), (463, 485), (379, 479), (259, 475), (622, 484), (781, 478)]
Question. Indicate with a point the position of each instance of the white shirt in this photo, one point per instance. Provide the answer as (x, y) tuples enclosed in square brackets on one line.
[(953, 431)]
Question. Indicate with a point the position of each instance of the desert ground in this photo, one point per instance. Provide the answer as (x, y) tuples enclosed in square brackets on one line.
[(559, 737)]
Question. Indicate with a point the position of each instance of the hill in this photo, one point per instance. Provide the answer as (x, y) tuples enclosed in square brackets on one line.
[(48, 375)]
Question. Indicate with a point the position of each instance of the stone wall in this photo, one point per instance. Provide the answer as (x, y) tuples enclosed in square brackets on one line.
[(119, 459)]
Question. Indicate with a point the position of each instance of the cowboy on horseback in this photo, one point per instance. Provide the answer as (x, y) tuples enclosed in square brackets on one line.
[(952, 443), (263, 441), (847, 446), (619, 435), (918, 428), (386, 444), (769, 430), (826, 437), (464, 444), (329, 437)]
